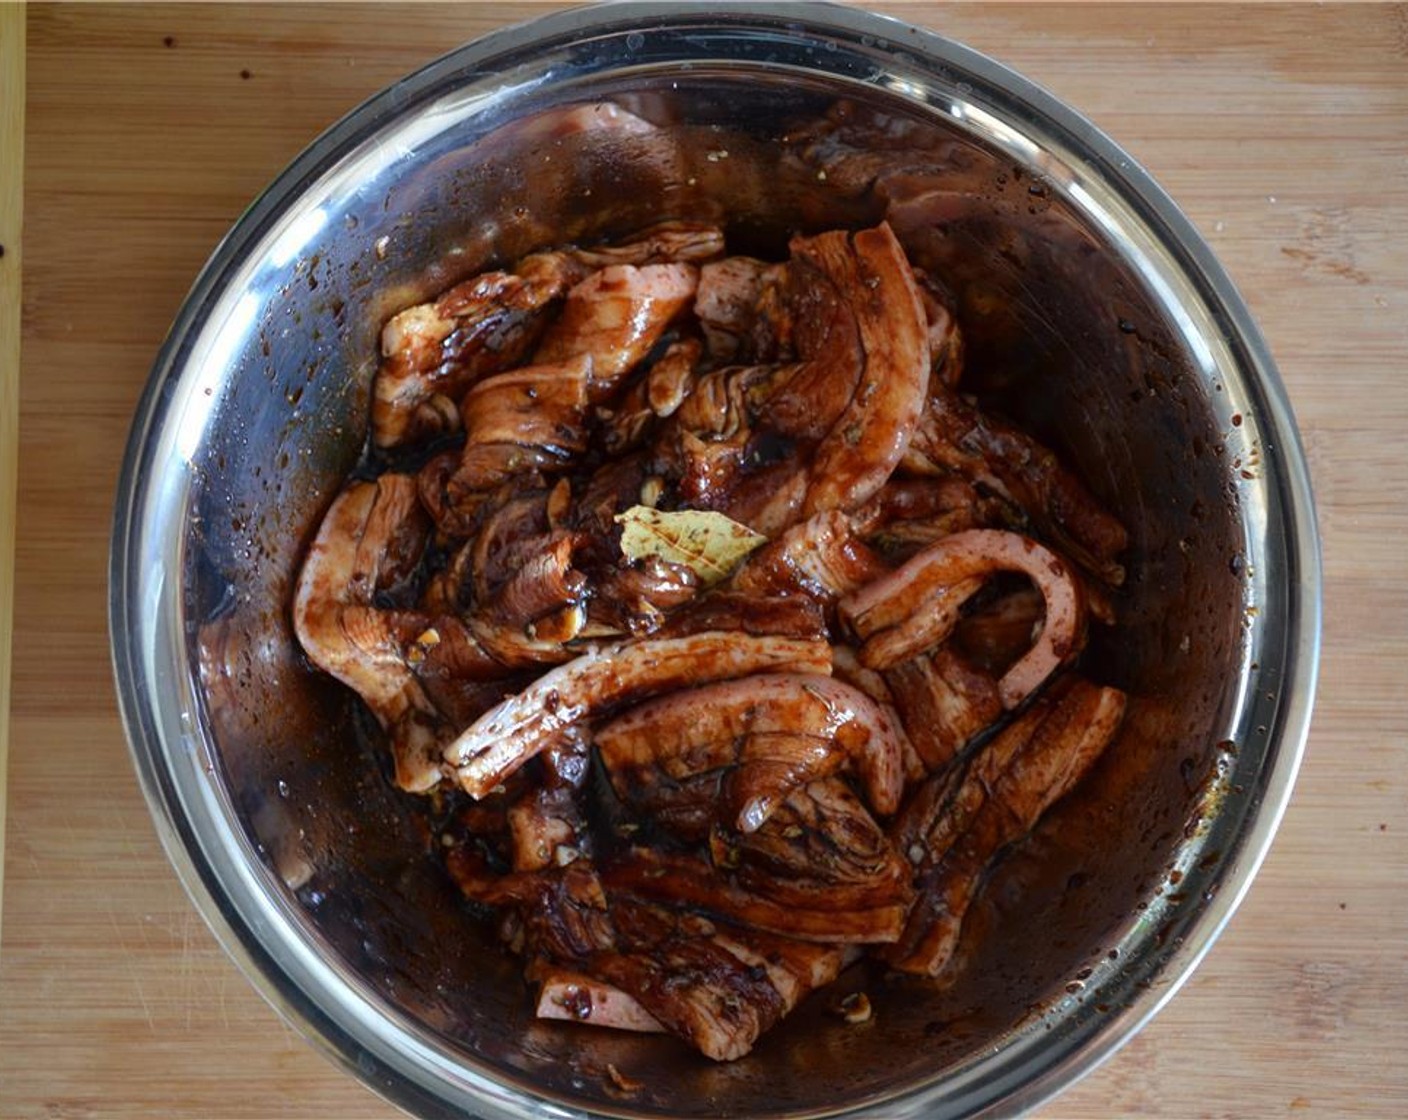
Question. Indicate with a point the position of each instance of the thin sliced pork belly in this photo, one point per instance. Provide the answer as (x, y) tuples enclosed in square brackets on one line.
[(811, 723), (614, 317), (683, 880), (579, 998), (1070, 735), (506, 737), (871, 436), (916, 607)]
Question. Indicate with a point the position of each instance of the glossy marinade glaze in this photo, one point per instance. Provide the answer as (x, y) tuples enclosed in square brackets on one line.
[(691, 802)]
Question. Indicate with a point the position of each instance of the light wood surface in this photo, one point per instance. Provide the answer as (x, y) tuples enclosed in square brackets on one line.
[(11, 197), (1282, 131)]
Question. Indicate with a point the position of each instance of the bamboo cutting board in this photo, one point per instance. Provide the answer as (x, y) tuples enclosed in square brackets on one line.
[(1283, 131)]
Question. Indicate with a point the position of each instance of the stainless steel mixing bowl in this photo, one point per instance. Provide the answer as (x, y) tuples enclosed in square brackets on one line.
[(1098, 317)]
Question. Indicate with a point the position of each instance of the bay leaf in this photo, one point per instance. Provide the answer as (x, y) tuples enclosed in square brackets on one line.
[(709, 544)]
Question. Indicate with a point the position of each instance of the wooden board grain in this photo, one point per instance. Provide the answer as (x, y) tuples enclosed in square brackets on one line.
[(1282, 131), (11, 211)]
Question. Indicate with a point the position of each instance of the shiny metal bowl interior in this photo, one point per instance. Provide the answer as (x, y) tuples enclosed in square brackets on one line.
[(1094, 314)]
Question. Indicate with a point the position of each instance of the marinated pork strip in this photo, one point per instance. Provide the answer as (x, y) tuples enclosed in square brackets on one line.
[(827, 425), (710, 445), (708, 1005), (772, 333), (713, 474), (848, 404), (955, 436), (773, 767), (538, 406), (525, 621), (613, 488), (706, 806), (996, 634), (449, 590), (907, 515), (859, 147), (443, 645), (736, 784), (614, 318), (916, 606), (846, 666), (634, 599), (769, 499), (794, 968), (942, 808), (527, 615), (722, 402), (826, 335), (901, 540), (944, 338), (821, 843), (565, 912), (791, 617), (655, 396), (914, 499), (487, 539), (943, 703), (821, 556), (546, 829), (369, 544), (532, 645), (566, 765), (531, 419), (916, 615), (546, 582), (669, 242), (698, 990), (462, 700), (1059, 753), (686, 810), (744, 311), (808, 722), (506, 737), (933, 815), (578, 998), (869, 439), (371, 662), (671, 379), (726, 304), (686, 880), (562, 910), (432, 484), (626, 425), (479, 882), (369, 541), (433, 352)]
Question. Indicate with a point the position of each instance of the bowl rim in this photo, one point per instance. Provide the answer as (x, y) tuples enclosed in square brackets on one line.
[(870, 35)]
